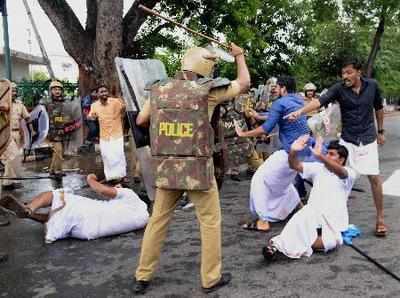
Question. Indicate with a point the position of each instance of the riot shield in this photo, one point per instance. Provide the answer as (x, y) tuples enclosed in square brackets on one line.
[(36, 132), (5, 101), (134, 77), (73, 130)]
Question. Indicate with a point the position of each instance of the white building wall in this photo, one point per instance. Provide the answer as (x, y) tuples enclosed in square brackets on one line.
[(19, 70)]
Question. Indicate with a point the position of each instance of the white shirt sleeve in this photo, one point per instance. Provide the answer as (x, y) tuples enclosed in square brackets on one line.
[(310, 169), (124, 193), (351, 178)]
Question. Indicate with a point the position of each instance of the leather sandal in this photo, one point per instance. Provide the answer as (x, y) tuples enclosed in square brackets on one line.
[(381, 230)]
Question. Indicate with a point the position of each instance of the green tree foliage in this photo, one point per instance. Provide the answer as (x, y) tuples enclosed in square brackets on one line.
[(170, 59), (377, 14), (330, 43), (387, 68), (40, 76)]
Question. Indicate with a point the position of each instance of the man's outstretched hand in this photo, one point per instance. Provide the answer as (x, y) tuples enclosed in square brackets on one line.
[(317, 149), (293, 116), (238, 129), (300, 143)]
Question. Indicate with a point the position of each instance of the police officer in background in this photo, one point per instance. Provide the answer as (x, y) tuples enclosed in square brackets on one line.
[(61, 125), (310, 94), (12, 157), (183, 154)]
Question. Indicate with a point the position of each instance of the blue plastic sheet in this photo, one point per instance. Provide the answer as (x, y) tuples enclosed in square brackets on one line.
[(351, 233)]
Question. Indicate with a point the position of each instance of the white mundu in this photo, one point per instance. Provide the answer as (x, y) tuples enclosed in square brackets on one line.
[(114, 162), (326, 209), (272, 193), (87, 219), (363, 158)]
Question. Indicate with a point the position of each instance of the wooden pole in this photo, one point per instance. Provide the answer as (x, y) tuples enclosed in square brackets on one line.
[(155, 13), (39, 40)]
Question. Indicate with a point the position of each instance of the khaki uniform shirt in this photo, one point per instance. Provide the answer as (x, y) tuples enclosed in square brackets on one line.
[(110, 117), (216, 96), (18, 112)]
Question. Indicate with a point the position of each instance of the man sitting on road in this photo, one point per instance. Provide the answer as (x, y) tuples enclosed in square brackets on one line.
[(319, 224), (84, 218)]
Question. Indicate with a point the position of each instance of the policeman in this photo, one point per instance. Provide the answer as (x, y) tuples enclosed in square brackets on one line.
[(310, 94), (179, 112), (12, 156), (18, 112), (61, 125)]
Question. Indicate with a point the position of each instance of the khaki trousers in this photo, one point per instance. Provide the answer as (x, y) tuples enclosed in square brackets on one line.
[(56, 164), (208, 213), (16, 135), (12, 169)]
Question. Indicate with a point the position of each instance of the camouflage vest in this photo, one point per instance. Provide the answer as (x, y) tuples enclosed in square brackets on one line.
[(180, 134), (61, 120), (238, 148)]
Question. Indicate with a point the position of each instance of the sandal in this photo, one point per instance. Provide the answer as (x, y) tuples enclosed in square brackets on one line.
[(11, 203), (253, 226), (381, 230), (269, 252)]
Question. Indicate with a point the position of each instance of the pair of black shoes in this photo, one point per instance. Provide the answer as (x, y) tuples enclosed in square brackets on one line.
[(12, 186), (3, 219), (142, 285)]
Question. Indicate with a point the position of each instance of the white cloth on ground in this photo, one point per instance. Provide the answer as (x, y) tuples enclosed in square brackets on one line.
[(87, 219), (326, 209), (113, 155), (272, 193), (364, 159)]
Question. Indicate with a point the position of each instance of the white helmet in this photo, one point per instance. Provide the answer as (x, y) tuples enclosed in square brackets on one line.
[(199, 60), (310, 87), (54, 84)]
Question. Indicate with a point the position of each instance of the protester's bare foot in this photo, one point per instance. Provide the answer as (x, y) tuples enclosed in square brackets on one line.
[(318, 245), (11, 203), (257, 225)]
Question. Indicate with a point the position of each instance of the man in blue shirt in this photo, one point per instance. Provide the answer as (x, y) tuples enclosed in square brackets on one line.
[(272, 193)]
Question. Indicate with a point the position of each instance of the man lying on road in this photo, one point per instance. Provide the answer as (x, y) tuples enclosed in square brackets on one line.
[(84, 218)]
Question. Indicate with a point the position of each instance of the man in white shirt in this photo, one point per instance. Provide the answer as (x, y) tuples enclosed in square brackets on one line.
[(84, 218), (319, 224)]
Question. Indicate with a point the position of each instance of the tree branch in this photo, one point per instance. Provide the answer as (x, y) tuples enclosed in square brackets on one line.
[(75, 40), (132, 22), (91, 18)]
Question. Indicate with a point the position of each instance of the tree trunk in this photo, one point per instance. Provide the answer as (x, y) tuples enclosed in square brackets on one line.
[(375, 47), (106, 36)]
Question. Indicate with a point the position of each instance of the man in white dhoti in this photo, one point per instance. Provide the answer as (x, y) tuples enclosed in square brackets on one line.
[(84, 218), (319, 224), (272, 193), (110, 112)]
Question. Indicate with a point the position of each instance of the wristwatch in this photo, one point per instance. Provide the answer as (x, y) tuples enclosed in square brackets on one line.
[(381, 131)]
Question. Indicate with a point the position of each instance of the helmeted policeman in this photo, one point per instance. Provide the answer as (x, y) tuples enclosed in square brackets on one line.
[(181, 137), (61, 125)]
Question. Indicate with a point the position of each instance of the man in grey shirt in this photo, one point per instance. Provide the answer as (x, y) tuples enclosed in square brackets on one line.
[(359, 99)]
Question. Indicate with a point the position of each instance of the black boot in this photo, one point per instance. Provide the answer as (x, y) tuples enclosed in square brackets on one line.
[(141, 287), (3, 257), (223, 281), (3, 219)]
